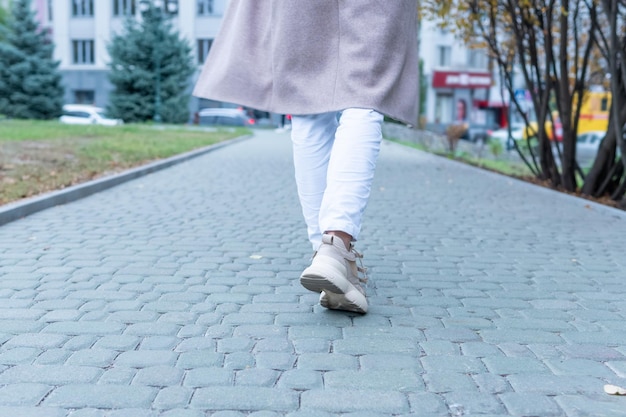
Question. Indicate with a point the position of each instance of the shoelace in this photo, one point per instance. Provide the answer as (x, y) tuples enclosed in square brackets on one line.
[(362, 269)]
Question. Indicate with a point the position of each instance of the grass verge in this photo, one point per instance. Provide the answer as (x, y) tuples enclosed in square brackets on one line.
[(42, 156), (510, 168)]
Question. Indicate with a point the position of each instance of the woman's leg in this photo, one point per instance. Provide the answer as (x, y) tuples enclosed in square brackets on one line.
[(334, 272), (351, 171), (312, 137)]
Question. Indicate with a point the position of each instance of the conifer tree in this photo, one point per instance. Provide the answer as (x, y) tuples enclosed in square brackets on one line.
[(30, 83), (150, 69), (4, 13)]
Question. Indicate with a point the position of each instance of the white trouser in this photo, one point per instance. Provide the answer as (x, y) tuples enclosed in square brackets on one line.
[(335, 158)]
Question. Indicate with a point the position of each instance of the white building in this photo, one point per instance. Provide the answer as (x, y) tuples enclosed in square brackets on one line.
[(82, 29), (461, 86)]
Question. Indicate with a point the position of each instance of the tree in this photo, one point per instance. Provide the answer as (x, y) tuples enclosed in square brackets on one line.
[(30, 83), (607, 175), (552, 42), (4, 14), (150, 69)]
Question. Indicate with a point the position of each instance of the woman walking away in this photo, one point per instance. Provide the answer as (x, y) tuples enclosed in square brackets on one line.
[(337, 67)]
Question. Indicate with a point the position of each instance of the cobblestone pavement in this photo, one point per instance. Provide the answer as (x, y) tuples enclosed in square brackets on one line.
[(176, 295)]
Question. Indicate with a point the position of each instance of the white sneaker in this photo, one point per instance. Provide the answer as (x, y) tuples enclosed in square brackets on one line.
[(335, 274)]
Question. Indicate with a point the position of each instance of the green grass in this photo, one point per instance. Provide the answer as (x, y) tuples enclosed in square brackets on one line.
[(39, 156)]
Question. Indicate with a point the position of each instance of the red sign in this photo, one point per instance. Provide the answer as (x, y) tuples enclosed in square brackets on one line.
[(461, 79)]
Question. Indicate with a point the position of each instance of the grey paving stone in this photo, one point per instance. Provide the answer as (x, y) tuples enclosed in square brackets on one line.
[(235, 344), (152, 329), (362, 346), (424, 403), (205, 377), (521, 336), (118, 342), (83, 328), (23, 394), (389, 361), (158, 343), (245, 398), (472, 403), (182, 413), (118, 376), (257, 377), (92, 357), (460, 364), (443, 382), (172, 397), (101, 396), (355, 401), (579, 367), (32, 412), (146, 358), (274, 344), (581, 406), (159, 376), (298, 379), (397, 380), (239, 360), (528, 404), (440, 348), (315, 331), (508, 366), (50, 374), (52, 357), (327, 362), (548, 384), (491, 384), (20, 355)]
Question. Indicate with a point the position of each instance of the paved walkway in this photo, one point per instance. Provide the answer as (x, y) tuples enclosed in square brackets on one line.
[(176, 295)]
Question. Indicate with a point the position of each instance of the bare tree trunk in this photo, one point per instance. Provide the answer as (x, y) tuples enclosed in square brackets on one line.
[(602, 170)]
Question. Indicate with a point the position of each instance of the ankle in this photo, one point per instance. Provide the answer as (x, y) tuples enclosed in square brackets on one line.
[(345, 237)]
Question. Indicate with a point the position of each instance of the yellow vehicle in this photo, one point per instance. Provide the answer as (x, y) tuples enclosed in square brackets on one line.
[(594, 116), (594, 113)]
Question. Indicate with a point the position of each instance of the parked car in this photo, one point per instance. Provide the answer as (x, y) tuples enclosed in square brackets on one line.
[(82, 114), (478, 132), (587, 145), (225, 117), (502, 135)]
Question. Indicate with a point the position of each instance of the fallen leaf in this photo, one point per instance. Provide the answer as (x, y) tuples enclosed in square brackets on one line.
[(614, 390)]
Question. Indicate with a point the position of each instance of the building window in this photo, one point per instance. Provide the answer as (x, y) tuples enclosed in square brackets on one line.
[(443, 108), (445, 56), (204, 46), (205, 7), (210, 7), (82, 8), (83, 51), (124, 7), (84, 97), (477, 58)]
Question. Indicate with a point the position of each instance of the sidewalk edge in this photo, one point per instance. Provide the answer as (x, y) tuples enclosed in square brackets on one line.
[(23, 208)]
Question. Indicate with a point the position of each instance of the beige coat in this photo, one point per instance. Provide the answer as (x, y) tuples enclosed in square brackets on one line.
[(314, 56)]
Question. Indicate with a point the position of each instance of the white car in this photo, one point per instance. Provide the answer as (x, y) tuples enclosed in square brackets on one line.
[(502, 135), (225, 117), (81, 114), (587, 145)]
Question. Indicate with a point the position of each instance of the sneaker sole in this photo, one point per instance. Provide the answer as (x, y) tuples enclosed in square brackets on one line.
[(346, 302), (323, 277)]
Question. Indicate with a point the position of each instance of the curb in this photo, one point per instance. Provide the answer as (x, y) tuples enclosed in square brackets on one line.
[(23, 208)]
